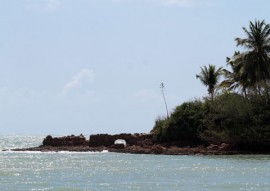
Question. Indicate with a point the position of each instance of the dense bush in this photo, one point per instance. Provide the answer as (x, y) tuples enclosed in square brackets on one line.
[(183, 125), (229, 118)]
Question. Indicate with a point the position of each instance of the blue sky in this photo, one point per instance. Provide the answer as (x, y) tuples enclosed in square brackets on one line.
[(95, 66)]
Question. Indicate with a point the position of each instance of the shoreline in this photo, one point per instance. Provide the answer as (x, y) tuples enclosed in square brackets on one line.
[(134, 144), (154, 150)]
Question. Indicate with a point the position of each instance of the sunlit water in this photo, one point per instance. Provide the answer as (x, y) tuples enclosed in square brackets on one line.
[(111, 171)]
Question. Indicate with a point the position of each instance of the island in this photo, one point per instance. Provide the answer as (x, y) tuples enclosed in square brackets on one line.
[(233, 119)]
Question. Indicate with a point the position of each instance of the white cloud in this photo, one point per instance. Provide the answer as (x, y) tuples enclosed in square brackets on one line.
[(85, 76), (78, 88)]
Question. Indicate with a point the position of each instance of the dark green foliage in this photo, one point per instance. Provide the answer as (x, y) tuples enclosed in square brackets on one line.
[(251, 68), (160, 128), (254, 65), (261, 119), (183, 125), (238, 121), (228, 120)]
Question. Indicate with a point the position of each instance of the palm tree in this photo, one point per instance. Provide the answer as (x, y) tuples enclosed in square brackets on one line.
[(252, 67), (232, 81), (209, 77)]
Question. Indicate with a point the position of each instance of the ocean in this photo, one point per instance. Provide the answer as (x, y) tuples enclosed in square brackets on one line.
[(69, 171)]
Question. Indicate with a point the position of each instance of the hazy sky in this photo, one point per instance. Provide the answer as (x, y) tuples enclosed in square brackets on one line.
[(95, 66)]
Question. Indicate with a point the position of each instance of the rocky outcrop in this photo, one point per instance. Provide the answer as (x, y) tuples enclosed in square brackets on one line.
[(131, 139), (98, 140), (136, 144), (65, 141)]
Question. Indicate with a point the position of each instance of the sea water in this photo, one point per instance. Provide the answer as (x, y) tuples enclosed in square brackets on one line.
[(113, 171)]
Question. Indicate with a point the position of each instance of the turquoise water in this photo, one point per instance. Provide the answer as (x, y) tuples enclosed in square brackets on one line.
[(112, 171)]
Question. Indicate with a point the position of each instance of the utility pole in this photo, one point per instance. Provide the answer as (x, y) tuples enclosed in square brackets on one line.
[(162, 91)]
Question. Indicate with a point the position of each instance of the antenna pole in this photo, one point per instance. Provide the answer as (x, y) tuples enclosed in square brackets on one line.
[(162, 91)]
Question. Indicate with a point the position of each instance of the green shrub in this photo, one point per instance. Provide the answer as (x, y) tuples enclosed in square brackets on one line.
[(160, 128), (229, 120), (183, 125)]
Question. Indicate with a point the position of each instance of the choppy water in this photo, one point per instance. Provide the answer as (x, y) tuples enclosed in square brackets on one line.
[(110, 171)]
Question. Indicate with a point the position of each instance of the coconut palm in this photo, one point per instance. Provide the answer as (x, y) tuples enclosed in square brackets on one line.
[(252, 67), (232, 81), (209, 76)]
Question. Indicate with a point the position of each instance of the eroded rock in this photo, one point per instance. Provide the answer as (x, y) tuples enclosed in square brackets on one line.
[(64, 141)]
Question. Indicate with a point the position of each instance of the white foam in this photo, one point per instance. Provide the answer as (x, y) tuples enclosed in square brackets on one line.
[(54, 152), (81, 152), (11, 151)]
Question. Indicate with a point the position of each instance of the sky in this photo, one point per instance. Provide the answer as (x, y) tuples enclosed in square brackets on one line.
[(95, 66)]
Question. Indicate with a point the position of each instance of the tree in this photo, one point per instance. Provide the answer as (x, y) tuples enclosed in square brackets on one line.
[(209, 76), (252, 67), (232, 81)]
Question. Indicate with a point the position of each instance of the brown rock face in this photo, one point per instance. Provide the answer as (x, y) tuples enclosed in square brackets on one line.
[(64, 141), (158, 149), (118, 146), (224, 147), (108, 140), (213, 147)]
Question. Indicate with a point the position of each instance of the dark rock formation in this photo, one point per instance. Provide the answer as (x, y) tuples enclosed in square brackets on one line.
[(108, 140), (224, 147), (118, 146), (99, 140), (64, 141), (213, 147)]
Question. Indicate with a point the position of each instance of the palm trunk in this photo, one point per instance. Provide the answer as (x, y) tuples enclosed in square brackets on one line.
[(211, 93), (245, 92)]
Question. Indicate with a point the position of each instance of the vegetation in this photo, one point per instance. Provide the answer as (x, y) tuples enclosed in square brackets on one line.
[(185, 123), (238, 115), (209, 77), (251, 68)]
